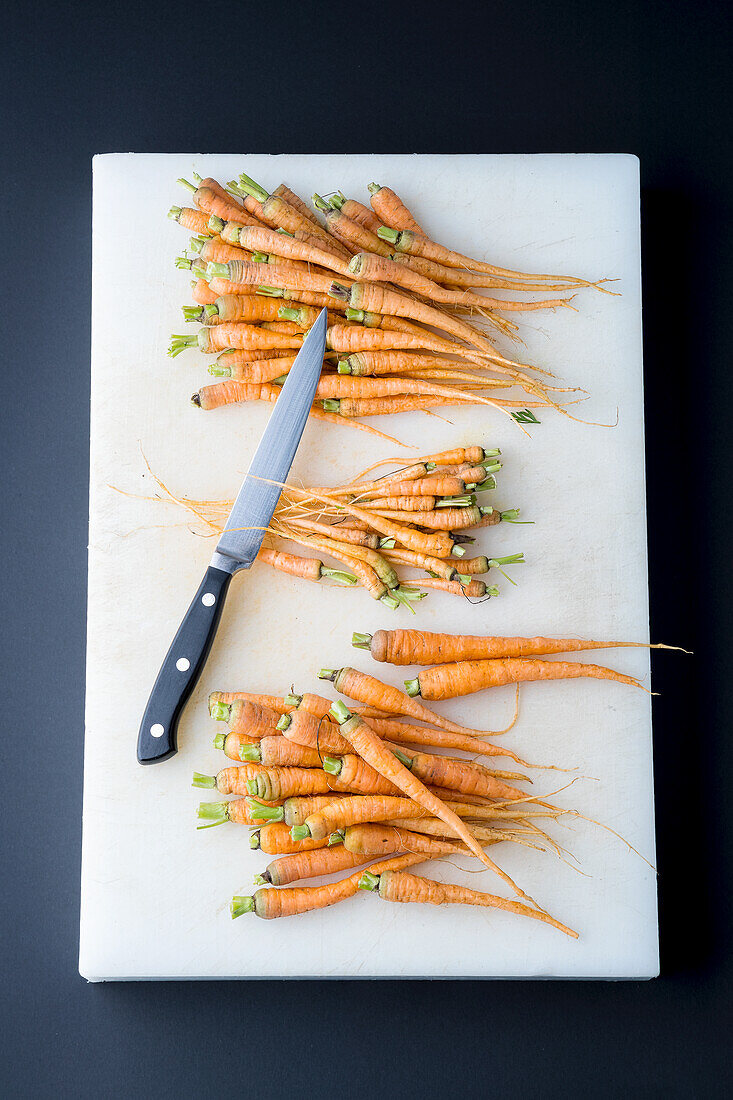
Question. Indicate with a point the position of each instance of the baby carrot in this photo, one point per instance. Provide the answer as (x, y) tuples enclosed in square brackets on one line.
[(369, 840), (367, 689), (354, 774), (293, 900), (247, 716), (464, 677), (196, 221), (312, 864), (277, 751), (353, 234), (306, 568), (282, 191), (293, 811), (316, 733), (399, 886), (273, 784), (356, 210), (216, 813), (275, 839), (418, 647), (387, 205)]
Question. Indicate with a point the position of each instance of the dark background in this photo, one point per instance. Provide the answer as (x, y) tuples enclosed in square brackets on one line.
[(649, 78)]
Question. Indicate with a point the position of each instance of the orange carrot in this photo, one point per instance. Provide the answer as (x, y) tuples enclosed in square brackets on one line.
[(468, 588), (217, 251), (276, 751), (283, 191), (240, 308), (320, 707), (277, 783), (234, 780), (390, 362), (247, 716), (459, 277), (285, 277), (234, 743), (367, 689), (256, 371), (356, 210), (317, 733), (418, 647), (354, 234), (202, 293), (312, 864), (306, 297), (294, 900), (217, 813), (381, 268), (340, 387), (391, 209), (445, 569), (370, 840), (311, 569), (416, 245), (276, 211), (464, 677), (374, 752), (270, 702), (342, 812), (275, 839), (212, 199), (196, 221), (459, 775), (358, 537), (444, 519), (279, 244), (401, 886), (352, 773), (293, 811), (234, 335), (352, 338)]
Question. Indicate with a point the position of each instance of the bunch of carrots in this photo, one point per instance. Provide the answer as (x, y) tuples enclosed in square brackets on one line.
[(419, 517), (408, 319), (327, 788)]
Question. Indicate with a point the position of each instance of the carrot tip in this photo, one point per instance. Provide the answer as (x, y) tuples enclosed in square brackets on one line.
[(239, 905)]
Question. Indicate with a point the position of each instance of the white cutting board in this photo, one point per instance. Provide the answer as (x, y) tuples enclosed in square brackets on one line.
[(154, 891)]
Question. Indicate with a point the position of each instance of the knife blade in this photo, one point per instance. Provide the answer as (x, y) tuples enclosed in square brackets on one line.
[(237, 549)]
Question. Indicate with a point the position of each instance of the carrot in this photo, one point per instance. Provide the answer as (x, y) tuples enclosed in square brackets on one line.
[(233, 335), (381, 268), (446, 519), (307, 297), (458, 775), (352, 773), (387, 204), (370, 840), (354, 234), (256, 371), (320, 707), (390, 362), (229, 780), (417, 245), (466, 586), (352, 338), (367, 689), (293, 811), (294, 900), (202, 292), (401, 886), (374, 752), (196, 221), (458, 455), (317, 733), (217, 251), (279, 752), (212, 199), (246, 716), (350, 556), (356, 210), (403, 504), (241, 307), (285, 277), (234, 744), (279, 783), (275, 839), (438, 485), (279, 244), (217, 813), (306, 568), (358, 537), (444, 569), (418, 647), (464, 677), (381, 406), (305, 865), (269, 702), (282, 191), (305, 315), (342, 812), (276, 211)]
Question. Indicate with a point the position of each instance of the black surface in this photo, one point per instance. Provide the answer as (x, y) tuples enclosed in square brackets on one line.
[(173, 687), (650, 78)]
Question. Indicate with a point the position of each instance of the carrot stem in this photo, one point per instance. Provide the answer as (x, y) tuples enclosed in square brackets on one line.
[(368, 881), (361, 641), (220, 711), (241, 905), (251, 187), (262, 812), (216, 813), (219, 739), (332, 765), (300, 832), (412, 687), (200, 780)]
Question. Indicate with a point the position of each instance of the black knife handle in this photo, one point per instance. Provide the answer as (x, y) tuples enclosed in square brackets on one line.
[(181, 669)]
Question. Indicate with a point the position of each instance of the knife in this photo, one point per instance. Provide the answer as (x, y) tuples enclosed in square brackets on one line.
[(237, 549)]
